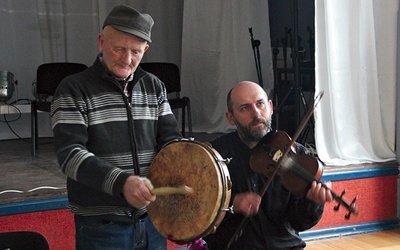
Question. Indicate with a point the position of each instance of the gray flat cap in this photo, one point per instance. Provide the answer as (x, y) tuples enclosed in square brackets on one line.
[(129, 20)]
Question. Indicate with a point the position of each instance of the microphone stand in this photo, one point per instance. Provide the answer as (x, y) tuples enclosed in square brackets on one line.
[(255, 44)]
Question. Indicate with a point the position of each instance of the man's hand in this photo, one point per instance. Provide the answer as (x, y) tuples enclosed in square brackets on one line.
[(318, 193), (137, 193), (247, 203)]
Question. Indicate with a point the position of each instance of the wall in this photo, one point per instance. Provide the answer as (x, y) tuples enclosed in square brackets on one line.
[(376, 189), (48, 217)]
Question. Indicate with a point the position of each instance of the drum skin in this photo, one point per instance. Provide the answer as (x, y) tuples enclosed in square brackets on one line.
[(185, 218)]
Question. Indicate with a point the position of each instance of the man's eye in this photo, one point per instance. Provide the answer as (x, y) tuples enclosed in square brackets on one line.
[(136, 52)]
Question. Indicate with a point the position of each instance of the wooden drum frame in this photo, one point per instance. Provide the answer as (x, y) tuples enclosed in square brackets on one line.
[(184, 218)]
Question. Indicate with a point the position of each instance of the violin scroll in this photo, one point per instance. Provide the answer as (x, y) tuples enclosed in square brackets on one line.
[(351, 207)]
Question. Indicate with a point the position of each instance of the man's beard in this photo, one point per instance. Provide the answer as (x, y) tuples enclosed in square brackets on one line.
[(249, 134)]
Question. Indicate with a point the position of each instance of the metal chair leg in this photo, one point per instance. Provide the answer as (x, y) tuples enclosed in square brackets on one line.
[(183, 122), (189, 114), (33, 128)]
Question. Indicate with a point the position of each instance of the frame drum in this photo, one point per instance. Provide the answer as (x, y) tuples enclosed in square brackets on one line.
[(185, 218)]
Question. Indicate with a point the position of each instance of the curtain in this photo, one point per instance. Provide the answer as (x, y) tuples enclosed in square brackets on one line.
[(36, 32), (356, 48), (217, 53), (211, 44), (43, 31)]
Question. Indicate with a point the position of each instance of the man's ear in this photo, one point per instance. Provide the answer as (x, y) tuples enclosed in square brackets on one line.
[(271, 106), (230, 118), (147, 47)]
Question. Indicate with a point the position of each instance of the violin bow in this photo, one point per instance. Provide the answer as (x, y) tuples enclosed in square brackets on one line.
[(303, 123)]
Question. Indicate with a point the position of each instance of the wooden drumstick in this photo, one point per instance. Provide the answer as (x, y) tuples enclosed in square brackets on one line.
[(172, 190)]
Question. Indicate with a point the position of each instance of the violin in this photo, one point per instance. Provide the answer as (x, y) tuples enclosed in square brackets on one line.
[(280, 155)]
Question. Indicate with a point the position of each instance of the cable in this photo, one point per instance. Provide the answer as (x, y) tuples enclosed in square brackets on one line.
[(30, 190), (19, 114), (7, 122)]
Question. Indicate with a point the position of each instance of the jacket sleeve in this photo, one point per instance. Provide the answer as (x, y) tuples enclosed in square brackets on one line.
[(303, 213)]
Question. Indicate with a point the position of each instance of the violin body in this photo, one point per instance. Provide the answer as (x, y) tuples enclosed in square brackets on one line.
[(298, 170)]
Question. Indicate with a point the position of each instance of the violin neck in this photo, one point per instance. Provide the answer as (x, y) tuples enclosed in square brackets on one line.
[(289, 164)]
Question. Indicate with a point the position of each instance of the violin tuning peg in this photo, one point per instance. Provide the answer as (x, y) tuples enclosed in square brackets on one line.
[(347, 216), (336, 208), (354, 200), (340, 198), (353, 206)]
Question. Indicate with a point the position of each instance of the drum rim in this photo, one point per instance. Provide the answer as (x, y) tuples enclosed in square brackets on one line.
[(224, 178)]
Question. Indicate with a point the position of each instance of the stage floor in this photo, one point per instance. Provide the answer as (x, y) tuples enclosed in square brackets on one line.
[(24, 177)]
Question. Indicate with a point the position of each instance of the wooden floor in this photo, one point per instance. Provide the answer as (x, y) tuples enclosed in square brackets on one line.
[(383, 240), (22, 172), (24, 177)]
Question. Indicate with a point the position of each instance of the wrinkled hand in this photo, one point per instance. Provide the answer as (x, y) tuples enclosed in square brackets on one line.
[(247, 203), (137, 193), (318, 193)]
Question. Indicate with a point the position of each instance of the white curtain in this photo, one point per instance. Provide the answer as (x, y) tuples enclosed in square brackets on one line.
[(217, 53), (356, 51), (36, 32)]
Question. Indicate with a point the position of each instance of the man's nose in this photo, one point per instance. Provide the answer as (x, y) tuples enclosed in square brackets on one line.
[(255, 111), (127, 58)]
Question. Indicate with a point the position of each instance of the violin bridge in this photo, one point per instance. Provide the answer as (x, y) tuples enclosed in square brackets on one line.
[(278, 154)]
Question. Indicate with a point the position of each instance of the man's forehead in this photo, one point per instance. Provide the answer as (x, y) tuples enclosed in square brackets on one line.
[(249, 99), (248, 94)]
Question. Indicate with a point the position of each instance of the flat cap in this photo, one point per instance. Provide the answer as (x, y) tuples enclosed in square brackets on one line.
[(129, 20)]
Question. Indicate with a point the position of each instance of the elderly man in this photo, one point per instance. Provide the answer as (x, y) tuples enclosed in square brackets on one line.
[(109, 122)]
